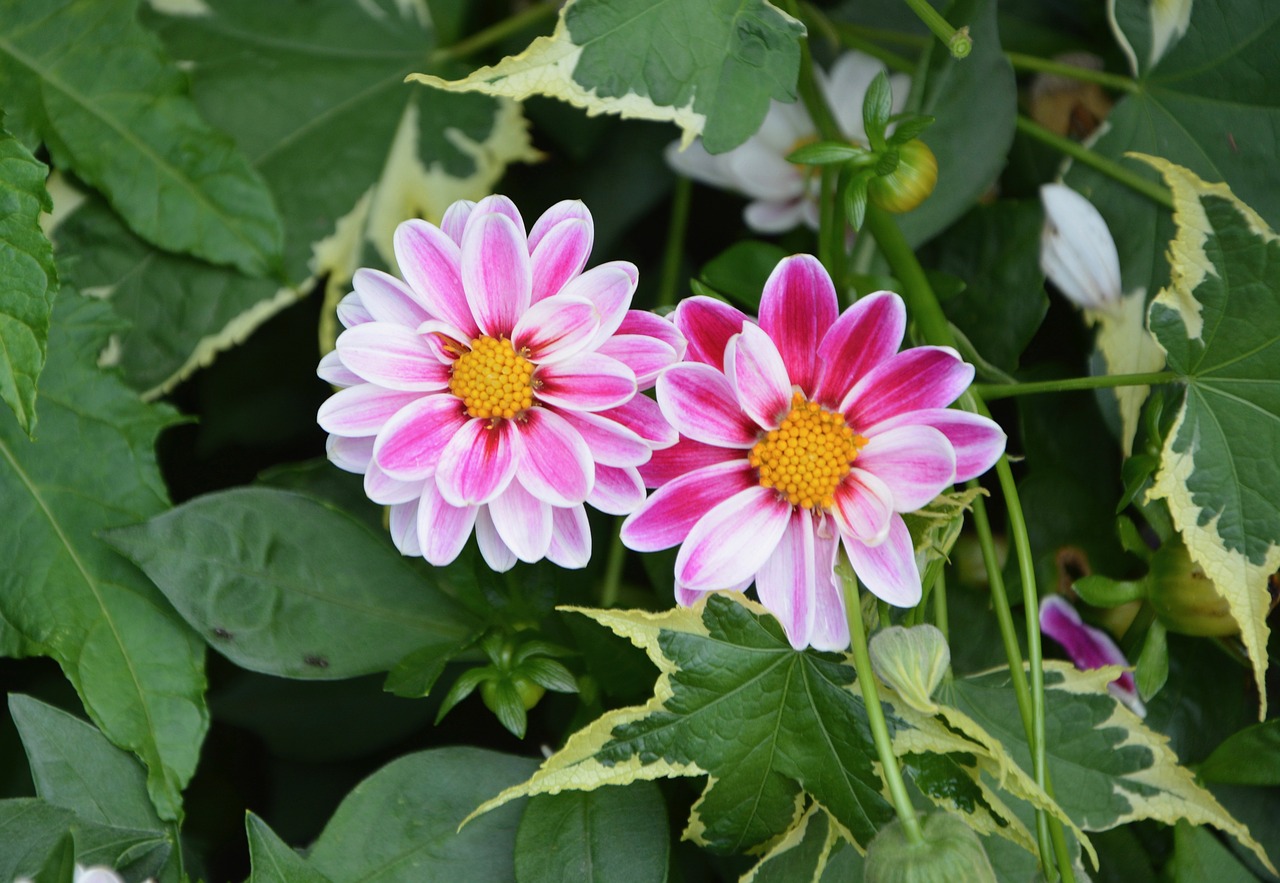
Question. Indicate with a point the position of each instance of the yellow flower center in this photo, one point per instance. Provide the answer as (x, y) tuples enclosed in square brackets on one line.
[(807, 457), (492, 379)]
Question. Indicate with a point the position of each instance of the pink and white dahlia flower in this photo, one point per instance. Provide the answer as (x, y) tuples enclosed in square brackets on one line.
[(495, 387), (799, 434)]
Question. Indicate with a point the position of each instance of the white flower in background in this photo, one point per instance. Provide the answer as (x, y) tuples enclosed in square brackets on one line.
[(782, 194), (1170, 20), (1079, 257)]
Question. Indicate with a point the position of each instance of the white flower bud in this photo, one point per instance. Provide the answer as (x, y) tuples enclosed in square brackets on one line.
[(1077, 252)]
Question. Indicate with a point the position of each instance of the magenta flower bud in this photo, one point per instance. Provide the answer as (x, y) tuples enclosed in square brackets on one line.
[(1088, 647)]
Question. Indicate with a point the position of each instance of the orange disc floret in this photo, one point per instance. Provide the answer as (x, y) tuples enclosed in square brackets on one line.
[(492, 379), (808, 455)]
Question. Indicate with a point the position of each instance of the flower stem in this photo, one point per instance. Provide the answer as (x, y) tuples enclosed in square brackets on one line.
[(611, 582), (1024, 62), (871, 700), (1157, 193), (958, 42), (991, 391), (497, 32), (674, 248)]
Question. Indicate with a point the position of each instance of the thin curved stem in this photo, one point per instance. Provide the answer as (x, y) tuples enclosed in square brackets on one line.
[(674, 248), (992, 391), (611, 581), (957, 41), (1024, 62), (1157, 193), (496, 33)]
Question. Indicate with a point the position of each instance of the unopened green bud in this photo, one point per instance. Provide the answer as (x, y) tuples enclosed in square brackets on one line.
[(910, 183), (950, 851), (1185, 600)]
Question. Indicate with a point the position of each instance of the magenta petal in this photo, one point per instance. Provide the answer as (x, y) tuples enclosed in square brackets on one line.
[(564, 210), (442, 528), (754, 367), (977, 441), (585, 382), (494, 551), (863, 507), (732, 541), (350, 454), (921, 377), (499, 204), (362, 410), (685, 456), (455, 219), (701, 404), (557, 467), (865, 335), (478, 463), (611, 443), (385, 490), (617, 491), (392, 356), (1088, 647), (556, 329), (570, 538), (402, 518), (687, 597), (523, 521), (647, 357), (610, 287), (888, 570), (707, 324), (412, 442), (388, 299), (559, 256), (797, 308), (647, 324), (830, 627), (496, 274), (332, 371), (642, 416), (916, 463), (666, 518), (351, 311), (431, 263), (786, 581)]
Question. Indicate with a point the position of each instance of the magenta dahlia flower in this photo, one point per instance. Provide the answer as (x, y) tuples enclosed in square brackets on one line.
[(495, 388), (805, 432), (1088, 648)]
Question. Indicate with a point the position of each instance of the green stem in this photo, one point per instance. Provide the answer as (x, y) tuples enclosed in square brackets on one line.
[(940, 618), (1158, 193), (871, 700), (958, 42), (992, 391), (611, 582), (810, 94), (1071, 71), (497, 32), (674, 248)]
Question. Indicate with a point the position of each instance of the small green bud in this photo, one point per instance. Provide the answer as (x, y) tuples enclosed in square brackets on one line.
[(527, 690), (910, 183), (1185, 600), (950, 852)]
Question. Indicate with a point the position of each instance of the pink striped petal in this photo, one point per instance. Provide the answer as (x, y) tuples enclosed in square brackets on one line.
[(495, 552), (684, 456), (786, 581), (921, 377), (666, 518), (431, 263), (559, 256), (403, 521), (392, 356), (650, 324), (830, 627), (797, 308), (645, 356), (1088, 647), (388, 299), (617, 491), (445, 342), (361, 410), (888, 570), (865, 335), (350, 454), (687, 597), (556, 329), (754, 368), (701, 404), (570, 538), (564, 210), (478, 463), (642, 416), (707, 324), (863, 507), (351, 311), (442, 528), (522, 521), (977, 441), (455, 219), (585, 382), (610, 287), (732, 541), (495, 272), (332, 371), (557, 467), (916, 463), (385, 490), (611, 443), (410, 445), (502, 205)]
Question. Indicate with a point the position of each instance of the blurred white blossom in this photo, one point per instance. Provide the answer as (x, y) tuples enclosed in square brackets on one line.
[(1077, 252)]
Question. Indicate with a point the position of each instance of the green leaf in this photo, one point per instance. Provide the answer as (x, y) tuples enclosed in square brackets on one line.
[(801, 853), (30, 279), (876, 107), (797, 727), (973, 101), (601, 836), (549, 674), (271, 859), (821, 153), (1152, 668), (1219, 323), (284, 584), (402, 823), (112, 108), (711, 68), (30, 829), (414, 675), (740, 271), (1198, 856), (1249, 757), (137, 667), (60, 866)]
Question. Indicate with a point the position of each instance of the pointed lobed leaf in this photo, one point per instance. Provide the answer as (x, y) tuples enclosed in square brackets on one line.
[(30, 279), (711, 67), (102, 95), (1219, 323), (799, 854), (66, 594), (272, 861), (727, 668), (1127, 347), (31, 829)]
